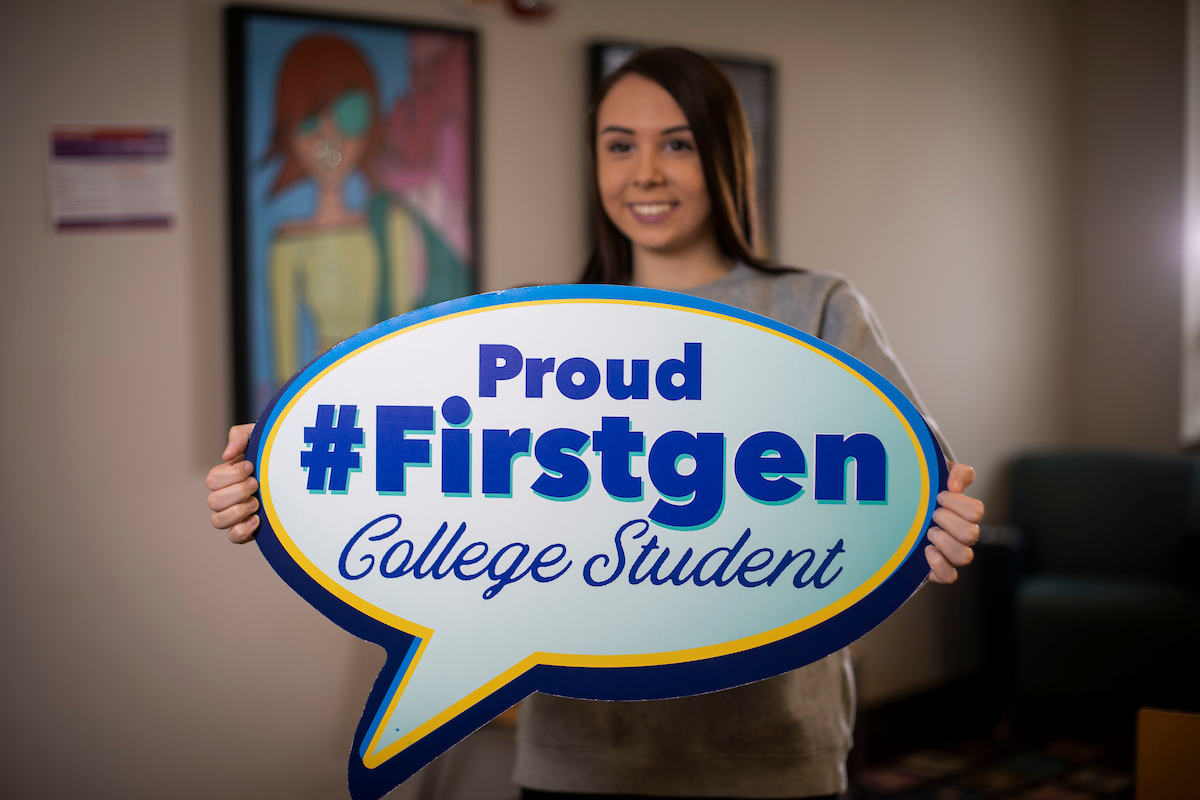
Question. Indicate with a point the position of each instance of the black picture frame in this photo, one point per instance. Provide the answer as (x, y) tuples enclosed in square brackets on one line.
[(410, 190), (754, 80)]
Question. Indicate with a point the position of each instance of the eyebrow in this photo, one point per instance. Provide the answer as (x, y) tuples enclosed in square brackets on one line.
[(631, 132)]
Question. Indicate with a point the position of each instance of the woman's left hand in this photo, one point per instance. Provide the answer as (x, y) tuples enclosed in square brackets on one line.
[(956, 526)]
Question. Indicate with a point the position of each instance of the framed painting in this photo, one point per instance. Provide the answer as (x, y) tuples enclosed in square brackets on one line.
[(755, 85), (353, 185)]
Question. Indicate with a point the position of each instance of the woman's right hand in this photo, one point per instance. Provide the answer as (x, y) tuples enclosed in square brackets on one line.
[(231, 488)]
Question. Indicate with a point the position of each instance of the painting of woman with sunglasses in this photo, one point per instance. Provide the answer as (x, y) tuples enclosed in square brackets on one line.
[(385, 227)]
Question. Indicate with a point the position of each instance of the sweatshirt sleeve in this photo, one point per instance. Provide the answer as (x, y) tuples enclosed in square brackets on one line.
[(849, 323)]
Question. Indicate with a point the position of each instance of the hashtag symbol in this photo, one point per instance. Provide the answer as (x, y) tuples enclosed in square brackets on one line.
[(332, 453)]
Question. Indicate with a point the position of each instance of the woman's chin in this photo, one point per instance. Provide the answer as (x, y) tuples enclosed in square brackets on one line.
[(657, 238)]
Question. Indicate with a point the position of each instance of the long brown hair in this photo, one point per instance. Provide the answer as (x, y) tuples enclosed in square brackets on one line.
[(316, 71), (715, 115)]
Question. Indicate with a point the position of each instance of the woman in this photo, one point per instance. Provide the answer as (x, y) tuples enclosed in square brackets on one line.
[(672, 185)]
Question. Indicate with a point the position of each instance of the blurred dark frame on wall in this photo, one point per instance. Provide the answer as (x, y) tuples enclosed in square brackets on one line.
[(755, 83), (384, 111)]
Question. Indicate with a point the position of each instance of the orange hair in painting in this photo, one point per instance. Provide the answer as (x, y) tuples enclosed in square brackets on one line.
[(316, 72)]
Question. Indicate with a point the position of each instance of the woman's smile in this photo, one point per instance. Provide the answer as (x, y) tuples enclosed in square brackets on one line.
[(651, 213)]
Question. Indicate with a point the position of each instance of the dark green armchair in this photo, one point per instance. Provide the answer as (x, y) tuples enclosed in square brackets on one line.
[(1106, 598)]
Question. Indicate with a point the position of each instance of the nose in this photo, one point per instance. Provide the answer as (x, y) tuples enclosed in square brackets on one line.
[(649, 170)]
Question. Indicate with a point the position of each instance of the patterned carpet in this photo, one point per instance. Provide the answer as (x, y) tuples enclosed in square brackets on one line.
[(979, 769)]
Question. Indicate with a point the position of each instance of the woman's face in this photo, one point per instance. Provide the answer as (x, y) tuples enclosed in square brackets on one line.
[(650, 177), (329, 145)]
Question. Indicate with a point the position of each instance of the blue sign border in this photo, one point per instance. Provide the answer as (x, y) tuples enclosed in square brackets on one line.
[(588, 683)]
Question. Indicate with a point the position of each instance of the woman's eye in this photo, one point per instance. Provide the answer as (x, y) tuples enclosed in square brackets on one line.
[(677, 145), (619, 147)]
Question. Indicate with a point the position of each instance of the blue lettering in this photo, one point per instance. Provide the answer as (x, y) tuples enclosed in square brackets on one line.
[(639, 380), (566, 476), (705, 484), (718, 575), (617, 443), (689, 368), (404, 568), (565, 378), (503, 362), (620, 555), (535, 370), (368, 558), (833, 451), (676, 577), (497, 362), (504, 568), (395, 451), (833, 553), (500, 449), (648, 548), (456, 462), (784, 562), (540, 561), (417, 573), (748, 566), (509, 575), (753, 463), (465, 560), (725, 563), (456, 448), (437, 576), (798, 580)]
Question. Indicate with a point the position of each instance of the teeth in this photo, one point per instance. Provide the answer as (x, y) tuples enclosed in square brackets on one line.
[(650, 209)]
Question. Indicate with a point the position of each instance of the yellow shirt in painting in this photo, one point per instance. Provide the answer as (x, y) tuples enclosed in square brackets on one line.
[(332, 276)]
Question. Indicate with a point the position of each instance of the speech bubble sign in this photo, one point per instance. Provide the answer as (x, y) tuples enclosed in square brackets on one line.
[(599, 492)]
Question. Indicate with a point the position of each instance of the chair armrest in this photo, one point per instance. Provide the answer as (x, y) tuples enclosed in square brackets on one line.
[(1189, 567), (1000, 558), (1001, 536)]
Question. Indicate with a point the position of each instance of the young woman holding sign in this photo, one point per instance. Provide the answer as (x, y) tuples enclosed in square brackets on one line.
[(673, 192)]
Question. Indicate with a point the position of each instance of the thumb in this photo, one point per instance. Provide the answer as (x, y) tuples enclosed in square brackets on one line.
[(239, 437)]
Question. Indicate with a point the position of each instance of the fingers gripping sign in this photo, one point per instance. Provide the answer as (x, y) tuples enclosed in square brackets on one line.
[(957, 530), (232, 486)]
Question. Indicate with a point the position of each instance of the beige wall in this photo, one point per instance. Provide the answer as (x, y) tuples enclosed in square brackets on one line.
[(1189, 428), (926, 149), (1131, 222)]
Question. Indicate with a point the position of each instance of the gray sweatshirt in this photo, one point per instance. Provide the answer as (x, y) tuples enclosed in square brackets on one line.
[(786, 736)]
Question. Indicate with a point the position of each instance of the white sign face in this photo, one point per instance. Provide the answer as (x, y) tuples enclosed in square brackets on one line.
[(599, 492)]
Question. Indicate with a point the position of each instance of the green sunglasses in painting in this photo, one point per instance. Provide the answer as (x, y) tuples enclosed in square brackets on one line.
[(351, 113)]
